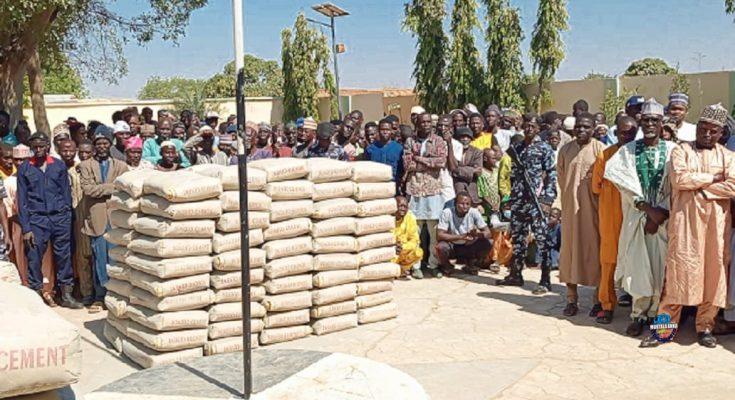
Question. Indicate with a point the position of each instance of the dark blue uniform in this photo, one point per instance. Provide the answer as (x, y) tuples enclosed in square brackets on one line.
[(44, 208)]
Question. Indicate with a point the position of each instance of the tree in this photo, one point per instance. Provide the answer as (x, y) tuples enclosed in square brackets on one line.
[(465, 71), (649, 66), (168, 88), (505, 68), (59, 77), (423, 19), (597, 75), (679, 83), (263, 78), (195, 100), (547, 47)]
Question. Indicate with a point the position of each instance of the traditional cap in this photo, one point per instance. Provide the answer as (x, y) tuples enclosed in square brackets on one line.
[(148, 128), (300, 122), (324, 130), (309, 123), (168, 143), (290, 125), (679, 98), (38, 136), (434, 119), (463, 131), (61, 130), (134, 142), (265, 126), (509, 112), (635, 100), (22, 151), (652, 107), (569, 123), (102, 132), (602, 126), (231, 128), (471, 108), (417, 110), (494, 109), (212, 114), (226, 138), (121, 126), (714, 114), (206, 129)]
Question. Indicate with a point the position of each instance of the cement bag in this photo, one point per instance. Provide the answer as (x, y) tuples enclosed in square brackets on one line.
[(326, 279), (118, 271), (290, 190), (231, 261), (257, 201), (9, 273), (287, 302), (375, 240), (333, 190), (182, 302), (123, 201), (377, 313), (380, 271), (331, 310), (336, 261), (287, 247), (375, 299), (166, 228), (131, 182), (169, 287), (118, 254), (334, 324), (122, 219), (279, 335), (148, 358), (333, 294), (116, 305), (211, 170), (182, 186), (334, 244), (229, 345), (234, 295), (170, 248), (154, 205), (226, 280), (223, 242), (230, 222), (376, 256), (120, 237), (287, 229), (114, 337), (381, 223), (370, 287), (281, 169), (168, 321), (334, 208), (375, 190), (122, 288), (169, 267), (230, 178), (233, 311), (370, 171), (288, 318), (223, 329), (121, 324), (372, 208), (40, 349), (288, 284), (333, 227), (289, 266), (286, 210), (327, 170)]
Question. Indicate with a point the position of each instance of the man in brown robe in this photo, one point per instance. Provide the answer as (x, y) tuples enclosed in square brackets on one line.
[(579, 259), (703, 182)]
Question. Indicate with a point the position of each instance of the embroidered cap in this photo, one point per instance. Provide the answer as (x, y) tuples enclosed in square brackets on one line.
[(22, 151), (652, 107), (309, 123), (679, 98), (714, 114)]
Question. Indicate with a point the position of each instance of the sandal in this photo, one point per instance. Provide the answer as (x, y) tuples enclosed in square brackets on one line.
[(96, 307), (595, 311), (604, 317), (494, 268), (48, 298), (571, 309)]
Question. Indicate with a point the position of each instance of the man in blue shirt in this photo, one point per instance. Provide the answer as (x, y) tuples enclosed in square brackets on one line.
[(386, 151)]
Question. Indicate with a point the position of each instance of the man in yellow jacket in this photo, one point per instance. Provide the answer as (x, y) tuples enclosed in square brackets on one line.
[(408, 249)]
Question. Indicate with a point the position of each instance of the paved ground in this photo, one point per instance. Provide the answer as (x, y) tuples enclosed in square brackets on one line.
[(466, 339)]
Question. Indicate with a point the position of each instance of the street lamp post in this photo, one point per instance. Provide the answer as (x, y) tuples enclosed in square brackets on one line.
[(331, 11)]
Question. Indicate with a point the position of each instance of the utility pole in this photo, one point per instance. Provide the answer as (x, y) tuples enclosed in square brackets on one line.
[(330, 10)]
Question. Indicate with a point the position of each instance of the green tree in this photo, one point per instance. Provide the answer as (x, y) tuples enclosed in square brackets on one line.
[(59, 78), (169, 88), (263, 78), (679, 83), (612, 104), (505, 67), (465, 71), (547, 47), (424, 19), (649, 66), (195, 100)]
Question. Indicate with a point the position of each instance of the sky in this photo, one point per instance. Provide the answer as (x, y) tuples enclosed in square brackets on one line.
[(604, 36)]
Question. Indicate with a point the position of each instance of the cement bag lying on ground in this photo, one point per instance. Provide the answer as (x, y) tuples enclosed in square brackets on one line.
[(115, 304), (333, 227), (119, 254), (327, 170), (326, 279), (148, 358), (226, 280), (289, 266), (289, 190), (334, 324), (257, 201), (279, 335), (120, 237), (119, 271), (257, 293), (167, 341), (122, 288), (288, 318), (123, 201), (230, 222), (132, 182), (287, 247), (168, 321), (230, 261), (155, 205), (287, 302), (223, 242), (333, 294), (377, 313), (334, 244), (182, 302), (286, 210), (287, 229), (166, 228), (288, 284), (169, 287), (375, 299), (370, 287), (9, 273), (182, 186), (375, 240), (223, 329), (370, 171), (40, 349), (114, 337), (331, 310), (375, 190), (228, 345), (334, 208), (170, 248), (169, 267), (281, 169), (378, 255), (379, 271), (381, 223), (336, 261), (333, 190), (233, 311), (376, 207), (123, 219)]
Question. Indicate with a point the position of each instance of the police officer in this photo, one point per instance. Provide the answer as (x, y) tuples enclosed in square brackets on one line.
[(538, 159), (45, 213)]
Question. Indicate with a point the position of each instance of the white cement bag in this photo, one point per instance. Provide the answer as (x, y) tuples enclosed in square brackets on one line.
[(166, 228), (116, 305), (288, 318), (123, 219), (223, 329), (281, 169), (333, 227), (333, 294), (381, 223), (289, 190), (377, 313), (123, 201), (234, 295), (169, 287), (257, 201), (375, 240), (122, 288), (336, 261), (287, 247), (229, 176), (114, 337), (170, 248), (288, 284), (148, 358), (121, 324), (287, 302), (168, 321), (326, 279), (377, 255), (182, 302), (289, 266), (229, 345), (286, 210), (231, 261), (120, 237), (118, 254), (226, 280), (372, 208), (211, 170), (154, 205), (230, 222), (279, 335), (375, 190), (370, 287), (370, 171), (334, 324), (119, 271), (287, 229), (182, 186), (223, 242), (333, 190), (331, 310), (327, 170), (131, 182), (9, 273), (380, 271), (375, 299), (169, 267), (334, 208), (233, 311), (334, 244)]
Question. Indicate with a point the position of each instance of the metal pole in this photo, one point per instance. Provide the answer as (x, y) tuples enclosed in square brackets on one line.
[(336, 68), (243, 184)]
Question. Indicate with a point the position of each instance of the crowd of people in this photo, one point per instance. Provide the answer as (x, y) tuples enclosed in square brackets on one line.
[(641, 206)]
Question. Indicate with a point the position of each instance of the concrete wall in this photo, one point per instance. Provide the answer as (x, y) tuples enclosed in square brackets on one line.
[(404, 104)]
